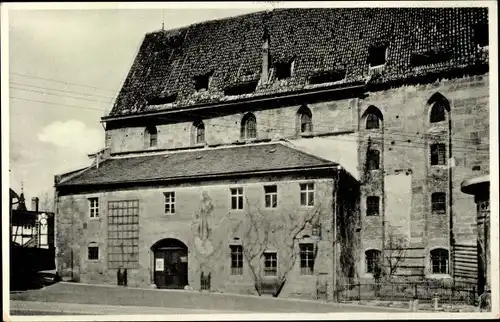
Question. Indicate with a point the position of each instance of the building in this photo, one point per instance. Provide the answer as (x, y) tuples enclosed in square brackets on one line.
[(236, 146), (32, 247)]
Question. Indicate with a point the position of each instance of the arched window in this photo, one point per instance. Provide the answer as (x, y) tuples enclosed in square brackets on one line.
[(439, 261), (199, 132), (372, 121), (373, 159), (304, 117), (150, 136), (437, 113), (248, 127), (372, 258), (373, 117), (439, 106)]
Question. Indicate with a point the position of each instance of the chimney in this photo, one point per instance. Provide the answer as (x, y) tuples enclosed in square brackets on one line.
[(265, 58), (34, 204)]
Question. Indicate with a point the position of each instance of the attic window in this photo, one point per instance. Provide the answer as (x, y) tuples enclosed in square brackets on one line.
[(240, 89), (327, 76), (430, 57), (377, 55), (481, 34), (160, 100), (284, 70), (202, 82)]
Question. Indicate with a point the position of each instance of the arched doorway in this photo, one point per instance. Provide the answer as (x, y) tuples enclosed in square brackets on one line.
[(170, 264)]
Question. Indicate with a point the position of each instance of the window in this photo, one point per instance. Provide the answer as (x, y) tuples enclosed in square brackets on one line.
[(202, 82), (372, 205), (437, 113), (169, 203), (284, 70), (270, 264), (305, 119), (271, 196), (123, 234), (438, 200), (438, 154), (372, 121), (93, 251), (236, 260), (199, 132), (248, 127), (377, 55), (307, 194), (151, 136), (481, 34), (236, 198), (373, 159), (306, 259), (372, 258), (94, 207), (439, 261)]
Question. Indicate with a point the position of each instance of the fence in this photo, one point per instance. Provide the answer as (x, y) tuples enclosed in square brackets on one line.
[(424, 292)]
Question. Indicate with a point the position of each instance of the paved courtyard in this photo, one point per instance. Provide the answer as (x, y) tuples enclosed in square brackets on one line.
[(72, 298)]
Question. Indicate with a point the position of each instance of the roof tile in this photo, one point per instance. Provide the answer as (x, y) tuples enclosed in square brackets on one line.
[(318, 39), (197, 163)]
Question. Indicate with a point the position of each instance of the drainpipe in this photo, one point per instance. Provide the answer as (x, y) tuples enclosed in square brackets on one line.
[(450, 201), (335, 254)]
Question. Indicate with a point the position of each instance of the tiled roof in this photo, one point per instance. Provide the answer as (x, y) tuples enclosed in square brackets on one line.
[(198, 164), (318, 40)]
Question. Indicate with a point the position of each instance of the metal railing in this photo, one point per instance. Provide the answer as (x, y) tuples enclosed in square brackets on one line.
[(424, 292)]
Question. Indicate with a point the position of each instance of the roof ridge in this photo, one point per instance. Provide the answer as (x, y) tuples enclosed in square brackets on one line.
[(193, 150), (200, 23)]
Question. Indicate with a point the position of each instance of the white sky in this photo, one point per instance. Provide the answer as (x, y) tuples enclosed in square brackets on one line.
[(88, 47)]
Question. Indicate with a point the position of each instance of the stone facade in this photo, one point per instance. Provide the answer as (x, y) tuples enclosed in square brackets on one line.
[(76, 230), (409, 167)]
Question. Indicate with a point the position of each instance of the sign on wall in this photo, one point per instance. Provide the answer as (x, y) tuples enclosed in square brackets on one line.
[(159, 264)]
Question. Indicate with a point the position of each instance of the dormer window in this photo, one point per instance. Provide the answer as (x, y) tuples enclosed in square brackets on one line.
[(327, 76), (430, 57), (377, 55), (202, 82), (284, 70), (481, 34), (162, 99)]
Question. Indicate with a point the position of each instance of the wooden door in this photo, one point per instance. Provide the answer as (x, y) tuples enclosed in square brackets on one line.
[(170, 268)]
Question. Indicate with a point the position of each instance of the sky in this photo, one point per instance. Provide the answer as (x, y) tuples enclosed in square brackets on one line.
[(65, 69)]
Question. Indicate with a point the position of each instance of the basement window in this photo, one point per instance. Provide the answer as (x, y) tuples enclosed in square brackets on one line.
[(284, 70), (377, 55), (202, 82)]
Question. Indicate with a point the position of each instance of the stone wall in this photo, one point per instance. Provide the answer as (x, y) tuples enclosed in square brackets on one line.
[(405, 139), (272, 123)]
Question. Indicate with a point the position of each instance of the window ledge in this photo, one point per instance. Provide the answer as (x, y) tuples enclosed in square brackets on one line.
[(94, 219)]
